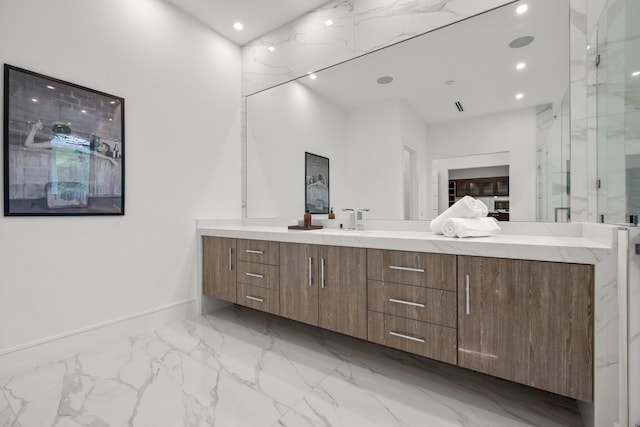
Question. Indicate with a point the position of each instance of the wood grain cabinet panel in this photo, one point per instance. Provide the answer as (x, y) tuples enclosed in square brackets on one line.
[(426, 339), (412, 268), (528, 321), (413, 302), (260, 251), (299, 282), (343, 290), (264, 275), (259, 298), (219, 267)]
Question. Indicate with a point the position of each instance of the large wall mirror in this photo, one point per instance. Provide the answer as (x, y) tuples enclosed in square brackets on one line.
[(409, 128)]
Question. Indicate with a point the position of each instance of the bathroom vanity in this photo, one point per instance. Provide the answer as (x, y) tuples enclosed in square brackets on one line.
[(527, 308)]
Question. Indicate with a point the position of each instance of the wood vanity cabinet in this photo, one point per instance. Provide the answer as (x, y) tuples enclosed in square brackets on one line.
[(219, 267), (258, 275), (412, 302), (528, 321), (324, 286)]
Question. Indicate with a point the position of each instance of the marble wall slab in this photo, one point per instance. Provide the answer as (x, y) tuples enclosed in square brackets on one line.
[(358, 27), (634, 328)]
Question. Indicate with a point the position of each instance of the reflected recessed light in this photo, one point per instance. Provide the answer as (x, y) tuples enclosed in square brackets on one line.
[(521, 42), (635, 74), (83, 111), (34, 100), (520, 66), (50, 87), (271, 49), (328, 22), (588, 46), (112, 102), (522, 9), (110, 119), (385, 80), (238, 26), (313, 76), (520, 96)]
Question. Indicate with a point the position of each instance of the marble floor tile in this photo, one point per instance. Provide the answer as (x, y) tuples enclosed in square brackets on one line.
[(239, 367), (7, 417)]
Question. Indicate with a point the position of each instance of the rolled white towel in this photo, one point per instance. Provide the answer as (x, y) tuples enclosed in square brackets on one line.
[(470, 227), (467, 207)]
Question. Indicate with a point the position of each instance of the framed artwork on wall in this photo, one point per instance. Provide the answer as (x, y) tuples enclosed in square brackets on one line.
[(316, 172), (63, 147)]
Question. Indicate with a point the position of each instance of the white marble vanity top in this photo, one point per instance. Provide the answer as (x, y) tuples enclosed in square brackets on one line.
[(573, 243)]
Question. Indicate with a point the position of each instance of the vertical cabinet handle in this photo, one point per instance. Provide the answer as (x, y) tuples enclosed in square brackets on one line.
[(468, 294), (309, 271), (230, 255), (322, 272)]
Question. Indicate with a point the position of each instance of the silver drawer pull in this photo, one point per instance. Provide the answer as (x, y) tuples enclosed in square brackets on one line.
[(406, 337), (259, 276), (415, 270), (254, 298), (468, 295), (253, 251), (399, 301)]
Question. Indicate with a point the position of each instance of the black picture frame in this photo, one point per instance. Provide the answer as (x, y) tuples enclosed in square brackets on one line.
[(63, 147), (316, 174)]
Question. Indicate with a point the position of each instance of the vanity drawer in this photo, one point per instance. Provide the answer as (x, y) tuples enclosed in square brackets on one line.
[(413, 302), (263, 275), (261, 251), (412, 268), (425, 339), (259, 298)]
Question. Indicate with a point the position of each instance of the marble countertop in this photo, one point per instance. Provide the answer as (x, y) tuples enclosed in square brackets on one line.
[(586, 248)]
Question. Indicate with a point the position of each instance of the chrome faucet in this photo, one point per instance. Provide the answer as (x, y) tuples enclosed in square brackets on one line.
[(351, 224), (355, 218), (359, 224)]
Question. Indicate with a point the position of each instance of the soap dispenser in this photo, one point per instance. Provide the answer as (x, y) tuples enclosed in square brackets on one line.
[(307, 219), (331, 214)]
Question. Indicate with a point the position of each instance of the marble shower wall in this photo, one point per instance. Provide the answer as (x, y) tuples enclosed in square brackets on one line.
[(359, 27)]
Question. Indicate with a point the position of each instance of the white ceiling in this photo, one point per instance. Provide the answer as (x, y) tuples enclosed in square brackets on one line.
[(475, 54), (258, 16)]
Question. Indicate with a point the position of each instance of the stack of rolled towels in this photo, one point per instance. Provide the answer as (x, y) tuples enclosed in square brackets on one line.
[(465, 218)]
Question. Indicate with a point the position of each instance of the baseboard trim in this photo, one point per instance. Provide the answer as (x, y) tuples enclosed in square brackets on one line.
[(56, 347)]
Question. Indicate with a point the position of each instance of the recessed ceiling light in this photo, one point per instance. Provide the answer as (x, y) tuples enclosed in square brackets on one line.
[(522, 9), (520, 66), (50, 87), (635, 74), (34, 100), (520, 96), (588, 46), (449, 82), (313, 76), (521, 42), (271, 48), (84, 111), (385, 80), (238, 26), (328, 22)]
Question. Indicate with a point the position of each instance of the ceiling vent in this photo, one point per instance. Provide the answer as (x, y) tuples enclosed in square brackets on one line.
[(459, 106)]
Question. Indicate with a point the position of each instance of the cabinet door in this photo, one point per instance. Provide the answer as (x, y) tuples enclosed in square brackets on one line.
[(219, 268), (343, 290), (299, 282), (528, 322)]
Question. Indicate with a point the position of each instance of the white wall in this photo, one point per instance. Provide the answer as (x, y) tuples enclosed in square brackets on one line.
[(513, 132), (374, 150), (303, 121), (181, 84)]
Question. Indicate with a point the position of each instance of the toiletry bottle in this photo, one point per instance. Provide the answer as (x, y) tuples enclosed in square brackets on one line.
[(307, 219), (331, 214)]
